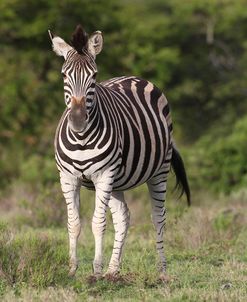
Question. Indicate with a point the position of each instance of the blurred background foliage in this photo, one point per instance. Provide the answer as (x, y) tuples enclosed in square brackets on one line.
[(195, 51)]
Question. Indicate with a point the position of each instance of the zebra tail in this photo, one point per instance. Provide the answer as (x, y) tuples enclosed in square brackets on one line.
[(181, 177)]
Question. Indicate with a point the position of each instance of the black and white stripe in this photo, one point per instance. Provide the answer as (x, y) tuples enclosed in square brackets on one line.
[(126, 141)]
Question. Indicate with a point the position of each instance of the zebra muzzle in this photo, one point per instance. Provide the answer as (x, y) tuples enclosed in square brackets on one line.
[(78, 101), (78, 114)]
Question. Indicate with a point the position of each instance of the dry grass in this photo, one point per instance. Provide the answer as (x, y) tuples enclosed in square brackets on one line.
[(205, 246), (48, 294)]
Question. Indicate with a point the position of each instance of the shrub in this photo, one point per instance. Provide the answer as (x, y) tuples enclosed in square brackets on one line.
[(39, 169), (43, 207), (38, 259), (220, 163)]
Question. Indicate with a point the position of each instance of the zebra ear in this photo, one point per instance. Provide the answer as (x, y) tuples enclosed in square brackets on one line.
[(60, 47), (95, 43)]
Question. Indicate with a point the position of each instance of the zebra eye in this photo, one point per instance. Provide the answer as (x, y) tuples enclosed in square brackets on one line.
[(64, 76)]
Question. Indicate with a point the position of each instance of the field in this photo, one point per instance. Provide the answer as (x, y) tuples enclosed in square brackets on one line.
[(196, 53), (206, 249)]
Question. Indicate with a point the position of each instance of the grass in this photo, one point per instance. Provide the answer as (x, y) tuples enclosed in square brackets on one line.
[(206, 249)]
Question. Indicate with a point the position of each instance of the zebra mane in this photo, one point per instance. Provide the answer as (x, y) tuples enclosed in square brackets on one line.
[(79, 39)]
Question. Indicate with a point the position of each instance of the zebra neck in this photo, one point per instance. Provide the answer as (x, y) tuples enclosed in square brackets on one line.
[(91, 95)]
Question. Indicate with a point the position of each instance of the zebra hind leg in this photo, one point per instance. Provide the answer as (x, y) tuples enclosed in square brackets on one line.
[(157, 190), (120, 217)]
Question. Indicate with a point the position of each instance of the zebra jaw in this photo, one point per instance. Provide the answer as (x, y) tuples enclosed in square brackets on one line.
[(77, 115)]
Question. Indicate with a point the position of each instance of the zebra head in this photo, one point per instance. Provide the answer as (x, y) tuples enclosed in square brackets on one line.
[(79, 72)]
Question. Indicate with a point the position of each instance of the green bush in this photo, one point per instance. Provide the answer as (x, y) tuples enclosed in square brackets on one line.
[(219, 163), (224, 221), (42, 207), (38, 259), (37, 169)]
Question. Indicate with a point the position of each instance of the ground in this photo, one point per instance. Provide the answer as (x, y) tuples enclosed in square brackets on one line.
[(206, 249)]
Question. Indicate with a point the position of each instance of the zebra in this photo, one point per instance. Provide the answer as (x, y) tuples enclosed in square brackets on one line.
[(113, 136)]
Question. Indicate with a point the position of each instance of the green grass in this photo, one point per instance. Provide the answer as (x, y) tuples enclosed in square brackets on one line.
[(206, 249)]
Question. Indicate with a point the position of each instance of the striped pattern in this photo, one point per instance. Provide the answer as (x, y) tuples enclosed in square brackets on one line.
[(79, 72), (127, 141)]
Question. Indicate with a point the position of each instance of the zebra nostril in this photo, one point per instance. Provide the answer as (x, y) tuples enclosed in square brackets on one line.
[(83, 100), (78, 100)]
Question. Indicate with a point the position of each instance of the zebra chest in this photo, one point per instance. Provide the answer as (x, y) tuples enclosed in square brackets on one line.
[(87, 156), (86, 163)]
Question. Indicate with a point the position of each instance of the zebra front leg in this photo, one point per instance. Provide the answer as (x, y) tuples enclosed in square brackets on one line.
[(120, 217), (157, 190), (71, 191), (103, 194)]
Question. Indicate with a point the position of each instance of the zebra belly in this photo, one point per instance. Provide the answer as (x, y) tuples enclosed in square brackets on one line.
[(131, 183)]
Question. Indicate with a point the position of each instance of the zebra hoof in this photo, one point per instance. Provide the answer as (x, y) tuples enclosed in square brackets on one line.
[(112, 276), (98, 276), (165, 278), (97, 269), (72, 271), (93, 278)]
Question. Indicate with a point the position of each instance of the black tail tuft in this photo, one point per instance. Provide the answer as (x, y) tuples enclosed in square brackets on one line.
[(181, 177)]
